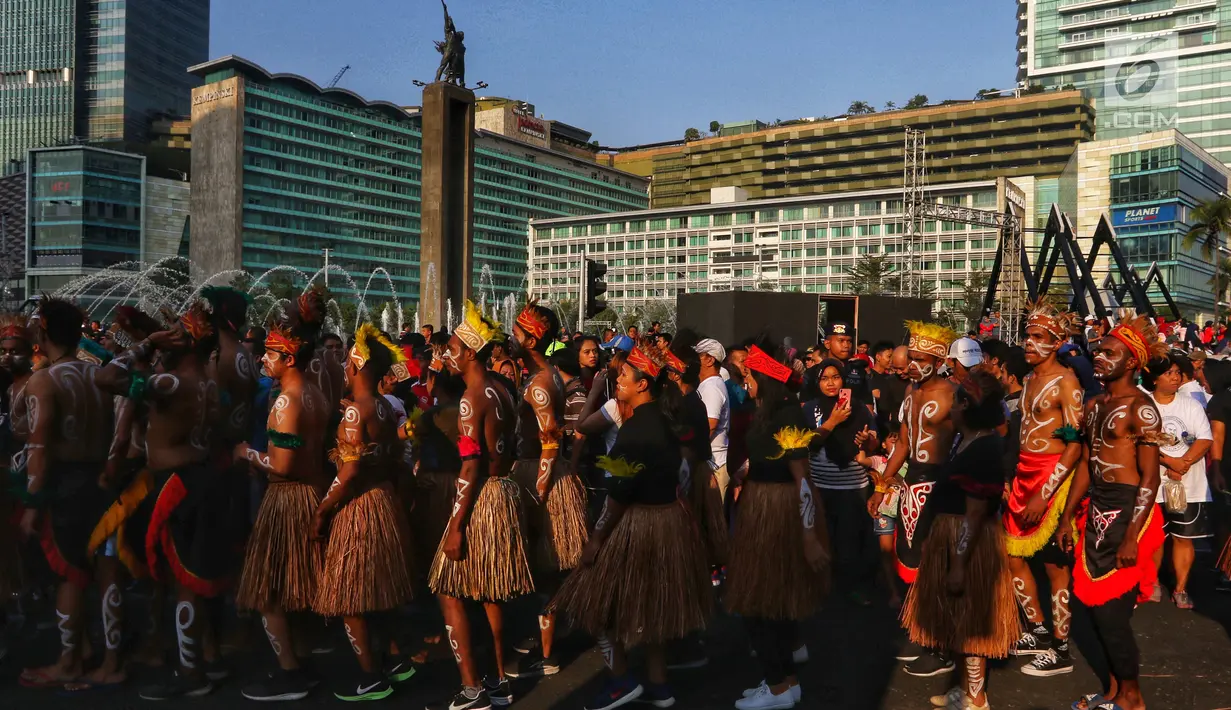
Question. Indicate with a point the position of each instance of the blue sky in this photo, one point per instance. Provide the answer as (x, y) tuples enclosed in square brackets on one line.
[(639, 71)]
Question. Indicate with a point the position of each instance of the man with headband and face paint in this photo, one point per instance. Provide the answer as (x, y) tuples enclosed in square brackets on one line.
[(482, 556), (927, 432), (556, 500), (1122, 526), (1050, 447), (361, 516)]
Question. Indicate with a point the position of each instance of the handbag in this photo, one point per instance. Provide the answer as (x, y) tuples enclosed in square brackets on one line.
[(1174, 498)]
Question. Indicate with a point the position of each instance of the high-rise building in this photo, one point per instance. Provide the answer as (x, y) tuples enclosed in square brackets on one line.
[(1149, 65), (283, 170), (94, 70)]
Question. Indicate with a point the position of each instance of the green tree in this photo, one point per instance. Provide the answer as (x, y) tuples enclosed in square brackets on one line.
[(984, 94), (859, 108), (972, 297), (917, 101), (1033, 89), (715, 127), (891, 105), (692, 134), (1209, 221), (1221, 279), (870, 275)]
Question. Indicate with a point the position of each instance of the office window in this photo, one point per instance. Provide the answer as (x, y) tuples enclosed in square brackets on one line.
[(791, 235), (816, 251), (700, 220), (615, 228), (745, 217), (658, 224), (836, 232), (722, 220), (869, 230), (698, 258), (676, 223), (870, 249), (768, 216), (869, 208), (598, 230), (844, 209), (794, 213), (699, 241), (816, 212), (637, 225)]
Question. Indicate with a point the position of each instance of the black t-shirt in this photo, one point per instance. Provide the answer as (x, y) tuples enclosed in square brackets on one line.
[(697, 422), (975, 472), (1012, 439), (1218, 409), (892, 390), (767, 462), (645, 438), (857, 378)]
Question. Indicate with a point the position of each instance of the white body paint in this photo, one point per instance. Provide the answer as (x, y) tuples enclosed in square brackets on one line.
[(111, 619), (185, 614)]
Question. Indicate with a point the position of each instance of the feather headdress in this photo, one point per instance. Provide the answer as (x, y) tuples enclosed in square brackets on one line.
[(619, 467), (228, 306), (477, 330), (13, 326), (1043, 313), (1139, 335), (930, 338), (367, 337)]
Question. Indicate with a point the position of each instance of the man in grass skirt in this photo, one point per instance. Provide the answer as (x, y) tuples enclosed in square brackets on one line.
[(927, 433), (555, 497), (361, 517), (69, 432), (283, 562), (482, 556), (643, 577), (1050, 448), (1122, 526)]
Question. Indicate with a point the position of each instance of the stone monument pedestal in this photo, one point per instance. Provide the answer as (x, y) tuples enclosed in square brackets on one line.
[(446, 243)]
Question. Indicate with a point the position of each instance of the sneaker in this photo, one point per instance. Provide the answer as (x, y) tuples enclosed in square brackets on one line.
[(660, 696), (687, 653), (531, 666), (1181, 599), (929, 664), (500, 693), (177, 686), (797, 692), (467, 699), (1033, 642), (216, 671), (955, 697), (527, 645), (616, 692), (279, 685), (764, 699), (800, 655), (371, 686), (1049, 663), (910, 652), (400, 670)]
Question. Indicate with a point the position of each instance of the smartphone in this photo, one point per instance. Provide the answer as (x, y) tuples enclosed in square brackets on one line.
[(844, 399)]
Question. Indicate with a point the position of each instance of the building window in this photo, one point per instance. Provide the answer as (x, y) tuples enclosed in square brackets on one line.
[(844, 209), (722, 220), (579, 231), (793, 214), (657, 224), (869, 208), (615, 228), (745, 217), (768, 216), (698, 241), (816, 212), (869, 230), (637, 225), (792, 235), (677, 223), (597, 230)]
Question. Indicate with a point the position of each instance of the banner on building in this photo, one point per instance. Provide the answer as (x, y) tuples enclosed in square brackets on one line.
[(1136, 216)]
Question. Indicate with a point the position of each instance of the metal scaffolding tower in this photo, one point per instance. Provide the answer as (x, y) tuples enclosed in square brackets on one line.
[(914, 183)]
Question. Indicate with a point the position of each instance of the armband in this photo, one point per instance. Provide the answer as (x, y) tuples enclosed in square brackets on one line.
[(346, 453), (137, 383), (1067, 433), (283, 441), (881, 488), (551, 446), (468, 448)]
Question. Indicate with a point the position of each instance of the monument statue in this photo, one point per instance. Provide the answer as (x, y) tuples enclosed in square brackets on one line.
[(453, 53)]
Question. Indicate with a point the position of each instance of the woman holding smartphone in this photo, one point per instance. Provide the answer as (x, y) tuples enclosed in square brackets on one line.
[(842, 427)]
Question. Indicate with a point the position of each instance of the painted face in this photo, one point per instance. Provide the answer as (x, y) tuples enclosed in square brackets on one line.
[(14, 355), (627, 385), (1111, 359), (275, 363), (921, 368), (334, 347), (452, 356), (1039, 345), (830, 382), (519, 342)]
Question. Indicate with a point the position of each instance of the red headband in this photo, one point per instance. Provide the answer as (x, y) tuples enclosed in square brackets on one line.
[(529, 321), (15, 332), (1133, 341), (761, 362), (674, 362), (639, 360), (196, 324), (281, 341)]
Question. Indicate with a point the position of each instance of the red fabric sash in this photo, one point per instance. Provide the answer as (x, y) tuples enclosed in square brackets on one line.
[(1143, 575)]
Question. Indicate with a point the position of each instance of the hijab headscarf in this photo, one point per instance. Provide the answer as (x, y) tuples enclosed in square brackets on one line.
[(840, 446)]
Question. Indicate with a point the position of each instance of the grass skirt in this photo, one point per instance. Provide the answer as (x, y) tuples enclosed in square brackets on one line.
[(983, 621), (558, 530), (365, 561), (767, 574), (433, 495), (494, 566), (706, 502), (649, 582), (283, 563)]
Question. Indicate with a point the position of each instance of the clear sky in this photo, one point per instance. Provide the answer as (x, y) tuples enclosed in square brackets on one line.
[(640, 71)]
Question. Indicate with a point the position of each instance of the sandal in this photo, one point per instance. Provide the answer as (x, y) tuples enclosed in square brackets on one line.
[(78, 687), (1182, 600), (1088, 702), (36, 679)]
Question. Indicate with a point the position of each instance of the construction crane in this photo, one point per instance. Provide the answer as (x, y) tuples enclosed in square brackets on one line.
[(338, 77)]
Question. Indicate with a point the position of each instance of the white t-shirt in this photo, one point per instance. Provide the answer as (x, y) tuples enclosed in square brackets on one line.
[(611, 412), (1184, 419), (1193, 389), (713, 392), (398, 408)]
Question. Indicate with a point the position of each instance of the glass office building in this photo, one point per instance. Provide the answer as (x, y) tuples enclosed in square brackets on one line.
[(94, 70), (284, 169)]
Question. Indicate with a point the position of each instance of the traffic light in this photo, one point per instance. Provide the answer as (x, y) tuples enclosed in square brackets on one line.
[(596, 285)]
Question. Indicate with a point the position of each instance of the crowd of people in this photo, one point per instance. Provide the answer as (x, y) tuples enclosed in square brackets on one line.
[(629, 482)]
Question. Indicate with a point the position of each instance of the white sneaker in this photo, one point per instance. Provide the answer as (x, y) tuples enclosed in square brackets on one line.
[(764, 699), (796, 691), (800, 655)]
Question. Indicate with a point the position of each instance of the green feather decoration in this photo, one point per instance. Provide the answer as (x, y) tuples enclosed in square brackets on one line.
[(137, 382), (283, 441), (1068, 434)]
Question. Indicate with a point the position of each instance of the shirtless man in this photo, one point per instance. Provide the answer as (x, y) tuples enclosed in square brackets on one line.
[(183, 409), (1050, 448), (283, 563), (15, 352), (927, 434), (556, 500), (1123, 526), (482, 556), (69, 425), (360, 516)]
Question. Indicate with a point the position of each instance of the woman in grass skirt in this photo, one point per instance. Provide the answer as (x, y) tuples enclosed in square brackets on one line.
[(643, 578), (962, 600), (778, 571)]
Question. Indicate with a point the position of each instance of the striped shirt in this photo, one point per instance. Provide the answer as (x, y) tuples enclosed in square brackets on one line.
[(826, 473)]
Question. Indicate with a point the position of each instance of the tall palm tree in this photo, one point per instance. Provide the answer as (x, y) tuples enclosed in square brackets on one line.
[(1210, 220)]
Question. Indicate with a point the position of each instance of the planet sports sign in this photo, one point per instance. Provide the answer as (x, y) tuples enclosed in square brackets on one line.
[(1136, 216)]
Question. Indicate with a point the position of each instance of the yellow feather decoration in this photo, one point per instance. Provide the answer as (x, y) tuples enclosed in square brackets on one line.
[(791, 438), (369, 333), (619, 467)]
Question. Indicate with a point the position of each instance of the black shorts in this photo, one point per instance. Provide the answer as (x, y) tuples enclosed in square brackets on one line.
[(1193, 523)]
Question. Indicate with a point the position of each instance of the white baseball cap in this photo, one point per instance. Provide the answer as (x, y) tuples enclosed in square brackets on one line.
[(711, 347), (966, 351)]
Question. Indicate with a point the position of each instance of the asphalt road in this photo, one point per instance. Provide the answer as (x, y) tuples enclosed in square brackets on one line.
[(1186, 665)]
